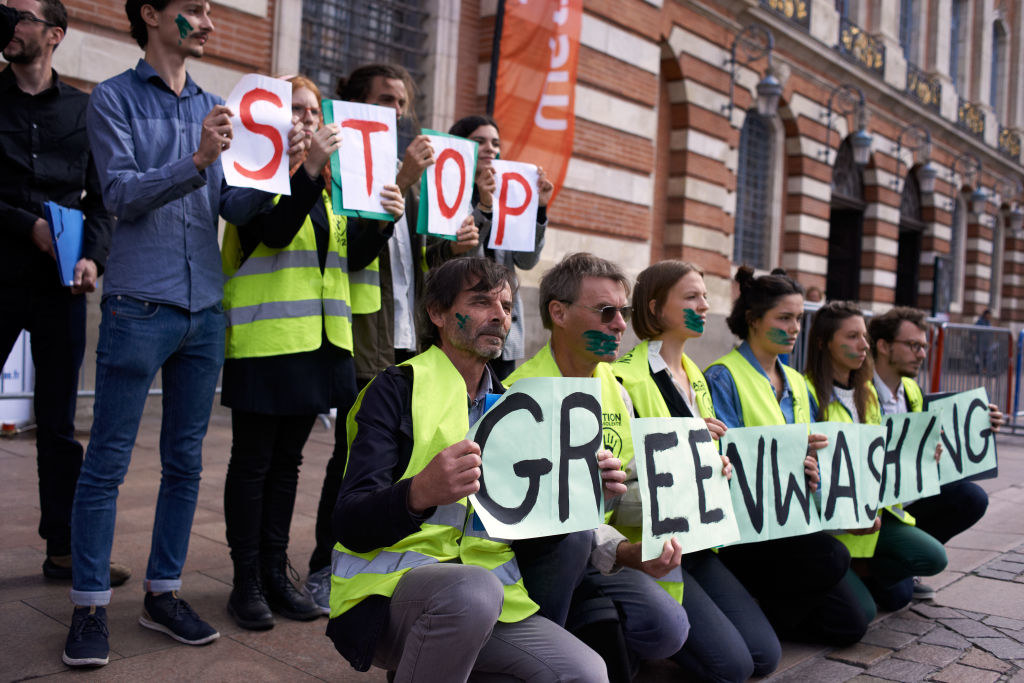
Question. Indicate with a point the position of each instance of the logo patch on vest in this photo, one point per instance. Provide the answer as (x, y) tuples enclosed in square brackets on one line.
[(612, 441)]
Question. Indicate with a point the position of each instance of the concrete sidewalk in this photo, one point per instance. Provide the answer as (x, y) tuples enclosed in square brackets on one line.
[(973, 632)]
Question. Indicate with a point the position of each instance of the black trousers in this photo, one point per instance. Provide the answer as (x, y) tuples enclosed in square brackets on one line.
[(56, 320), (263, 473), (801, 585), (955, 509)]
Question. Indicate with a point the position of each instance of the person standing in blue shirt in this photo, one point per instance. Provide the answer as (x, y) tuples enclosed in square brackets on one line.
[(157, 139)]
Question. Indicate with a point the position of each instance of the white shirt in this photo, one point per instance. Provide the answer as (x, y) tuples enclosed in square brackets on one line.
[(658, 364), (402, 288), (889, 402), (845, 398)]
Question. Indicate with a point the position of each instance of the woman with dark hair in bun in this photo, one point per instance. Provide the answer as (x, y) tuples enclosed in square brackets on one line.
[(800, 581)]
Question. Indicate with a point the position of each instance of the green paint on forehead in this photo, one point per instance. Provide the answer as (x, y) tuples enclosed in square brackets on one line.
[(693, 321)]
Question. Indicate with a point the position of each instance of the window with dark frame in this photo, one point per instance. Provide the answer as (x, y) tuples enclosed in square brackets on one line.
[(752, 240)]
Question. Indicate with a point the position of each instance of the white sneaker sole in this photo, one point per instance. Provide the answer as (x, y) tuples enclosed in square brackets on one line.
[(85, 661), (145, 621)]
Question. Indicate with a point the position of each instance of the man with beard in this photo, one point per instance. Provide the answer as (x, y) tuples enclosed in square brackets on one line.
[(44, 156), (899, 346), (386, 294), (417, 586)]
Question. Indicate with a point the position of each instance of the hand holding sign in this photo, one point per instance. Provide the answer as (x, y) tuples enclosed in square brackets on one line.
[(215, 137), (370, 160), (514, 217), (446, 189), (419, 155), (612, 474), (467, 238), (451, 475), (261, 125), (323, 143)]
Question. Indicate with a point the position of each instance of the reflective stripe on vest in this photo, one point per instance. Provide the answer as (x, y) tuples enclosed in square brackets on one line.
[(365, 288), (439, 419), (615, 415), (278, 301), (757, 397)]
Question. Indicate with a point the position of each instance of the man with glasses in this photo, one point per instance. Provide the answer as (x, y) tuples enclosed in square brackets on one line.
[(899, 346), (584, 303), (45, 157)]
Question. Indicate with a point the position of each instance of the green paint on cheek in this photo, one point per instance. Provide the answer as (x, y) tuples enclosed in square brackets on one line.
[(184, 28), (693, 320), (849, 353), (462, 320), (777, 336), (600, 343)]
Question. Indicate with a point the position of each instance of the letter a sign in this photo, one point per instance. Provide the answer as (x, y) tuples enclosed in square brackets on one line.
[(367, 160), (447, 185), (514, 221), (258, 156)]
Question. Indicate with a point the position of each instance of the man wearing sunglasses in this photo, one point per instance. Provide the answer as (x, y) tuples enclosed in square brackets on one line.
[(899, 346), (44, 156), (584, 303)]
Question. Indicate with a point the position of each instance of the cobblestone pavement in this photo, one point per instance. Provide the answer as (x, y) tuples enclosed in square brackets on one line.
[(974, 631)]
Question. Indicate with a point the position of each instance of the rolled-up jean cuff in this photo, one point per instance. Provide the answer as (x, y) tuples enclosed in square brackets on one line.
[(162, 585), (90, 598)]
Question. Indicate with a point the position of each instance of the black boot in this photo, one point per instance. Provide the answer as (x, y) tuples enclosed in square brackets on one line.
[(247, 606), (282, 595)]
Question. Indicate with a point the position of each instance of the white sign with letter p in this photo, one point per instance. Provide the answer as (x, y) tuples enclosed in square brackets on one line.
[(514, 221)]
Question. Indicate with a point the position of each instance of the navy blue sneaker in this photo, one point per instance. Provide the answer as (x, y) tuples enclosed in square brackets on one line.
[(87, 640), (170, 614)]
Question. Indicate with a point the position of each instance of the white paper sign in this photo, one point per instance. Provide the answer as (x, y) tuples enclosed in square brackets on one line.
[(369, 153), (449, 183), (258, 156), (515, 202)]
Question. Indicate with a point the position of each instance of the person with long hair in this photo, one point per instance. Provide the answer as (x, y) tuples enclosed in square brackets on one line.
[(889, 553), (800, 581), (730, 638), (483, 130), (287, 360)]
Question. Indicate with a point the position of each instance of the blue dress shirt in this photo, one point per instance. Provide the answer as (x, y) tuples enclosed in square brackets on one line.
[(164, 247)]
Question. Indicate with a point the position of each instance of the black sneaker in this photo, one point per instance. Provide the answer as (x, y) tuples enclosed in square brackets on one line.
[(170, 614), (87, 640)]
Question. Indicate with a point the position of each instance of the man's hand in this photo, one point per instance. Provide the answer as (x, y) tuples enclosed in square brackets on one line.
[(611, 473), (815, 442), (628, 555), (418, 156), (322, 145), (486, 184), (41, 237), (85, 276), (467, 237), (995, 416), (390, 198), (544, 187), (215, 138), (868, 530), (451, 475), (716, 427)]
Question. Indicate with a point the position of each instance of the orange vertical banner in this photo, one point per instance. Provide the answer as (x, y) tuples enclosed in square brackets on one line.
[(535, 90)]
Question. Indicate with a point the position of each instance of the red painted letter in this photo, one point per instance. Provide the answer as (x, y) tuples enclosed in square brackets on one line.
[(366, 128), (271, 133), (446, 210), (504, 209)]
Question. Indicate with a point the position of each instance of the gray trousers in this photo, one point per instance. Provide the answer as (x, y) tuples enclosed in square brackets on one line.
[(444, 627)]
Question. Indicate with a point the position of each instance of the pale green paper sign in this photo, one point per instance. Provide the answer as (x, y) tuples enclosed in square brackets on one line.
[(769, 490), (908, 470), (848, 488), (968, 443), (682, 490), (539, 443)]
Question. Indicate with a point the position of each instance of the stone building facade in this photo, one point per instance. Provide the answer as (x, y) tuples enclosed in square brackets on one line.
[(671, 160)]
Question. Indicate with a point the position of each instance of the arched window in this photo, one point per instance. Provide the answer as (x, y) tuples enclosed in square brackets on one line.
[(997, 87), (846, 227), (995, 290), (908, 254), (753, 238)]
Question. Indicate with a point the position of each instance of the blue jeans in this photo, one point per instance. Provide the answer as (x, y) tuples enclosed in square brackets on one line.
[(138, 338), (730, 638)]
